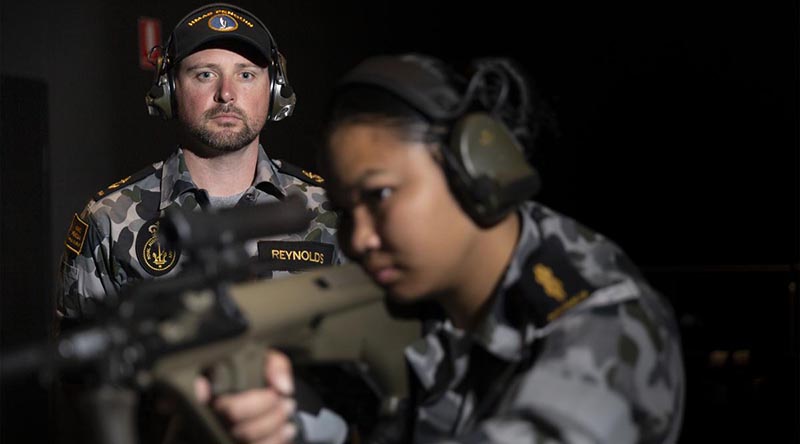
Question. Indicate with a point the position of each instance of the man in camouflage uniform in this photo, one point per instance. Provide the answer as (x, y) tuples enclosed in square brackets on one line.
[(109, 242), (577, 348), (222, 77)]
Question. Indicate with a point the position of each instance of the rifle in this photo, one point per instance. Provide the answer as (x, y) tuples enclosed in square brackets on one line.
[(165, 333)]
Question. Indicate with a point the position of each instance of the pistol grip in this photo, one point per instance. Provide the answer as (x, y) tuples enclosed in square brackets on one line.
[(242, 370)]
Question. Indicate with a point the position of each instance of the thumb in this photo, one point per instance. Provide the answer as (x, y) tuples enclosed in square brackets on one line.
[(202, 390), (278, 372)]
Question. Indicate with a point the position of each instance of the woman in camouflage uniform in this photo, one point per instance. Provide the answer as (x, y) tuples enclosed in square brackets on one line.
[(537, 328)]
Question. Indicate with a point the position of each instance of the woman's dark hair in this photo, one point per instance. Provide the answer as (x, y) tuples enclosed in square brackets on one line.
[(369, 104), (497, 85)]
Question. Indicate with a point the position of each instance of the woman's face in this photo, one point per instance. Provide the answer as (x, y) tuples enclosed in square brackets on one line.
[(398, 217)]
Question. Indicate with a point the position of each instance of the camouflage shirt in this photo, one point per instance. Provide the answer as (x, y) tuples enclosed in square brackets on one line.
[(113, 241), (576, 347)]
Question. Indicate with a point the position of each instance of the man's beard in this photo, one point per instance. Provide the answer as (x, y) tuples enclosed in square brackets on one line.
[(226, 139)]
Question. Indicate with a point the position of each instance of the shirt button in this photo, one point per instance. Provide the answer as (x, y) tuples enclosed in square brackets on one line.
[(249, 197)]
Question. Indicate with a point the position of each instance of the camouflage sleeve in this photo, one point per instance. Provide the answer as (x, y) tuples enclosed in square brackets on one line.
[(85, 271), (610, 374), (324, 225), (322, 427)]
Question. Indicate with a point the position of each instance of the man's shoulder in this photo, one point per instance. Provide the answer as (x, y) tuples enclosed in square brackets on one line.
[(146, 174), (140, 187), (299, 174)]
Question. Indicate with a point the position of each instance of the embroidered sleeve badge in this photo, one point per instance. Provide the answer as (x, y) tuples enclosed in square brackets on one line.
[(76, 235)]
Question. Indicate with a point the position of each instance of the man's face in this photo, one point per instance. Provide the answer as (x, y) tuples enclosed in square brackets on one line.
[(223, 99)]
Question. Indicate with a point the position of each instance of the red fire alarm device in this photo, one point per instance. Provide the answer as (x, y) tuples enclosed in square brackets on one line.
[(149, 37)]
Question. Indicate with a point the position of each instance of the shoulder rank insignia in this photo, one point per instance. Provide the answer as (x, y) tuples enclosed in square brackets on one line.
[(304, 175), (76, 235), (122, 182), (154, 258), (551, 283)]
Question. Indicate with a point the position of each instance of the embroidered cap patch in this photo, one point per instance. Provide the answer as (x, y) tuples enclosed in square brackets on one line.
[(223, 23)]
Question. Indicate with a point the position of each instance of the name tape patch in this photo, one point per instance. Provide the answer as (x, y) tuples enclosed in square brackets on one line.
[(294, 255)]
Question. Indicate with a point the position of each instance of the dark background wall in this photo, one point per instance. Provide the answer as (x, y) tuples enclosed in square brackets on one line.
[(680, 141)]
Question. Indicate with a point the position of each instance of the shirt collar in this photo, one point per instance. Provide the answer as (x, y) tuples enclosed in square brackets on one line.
[(176, 180), (495, 333), (267, 178)]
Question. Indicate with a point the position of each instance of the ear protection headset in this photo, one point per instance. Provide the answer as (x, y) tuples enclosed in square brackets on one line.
[(483, 159), (160, 99)]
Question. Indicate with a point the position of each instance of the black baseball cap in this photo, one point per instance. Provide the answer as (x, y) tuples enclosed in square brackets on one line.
[(218, 23)]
